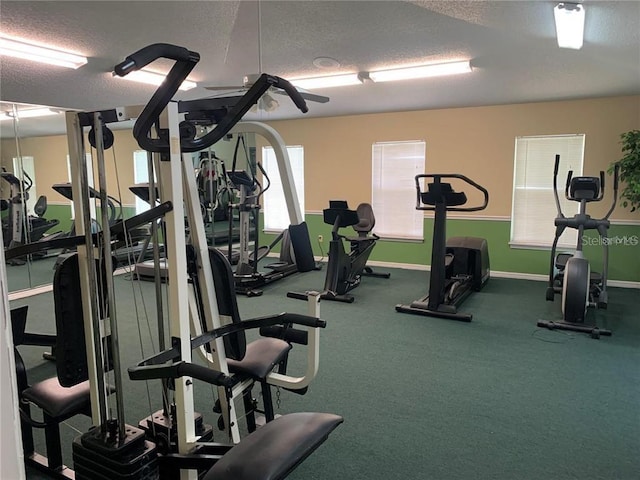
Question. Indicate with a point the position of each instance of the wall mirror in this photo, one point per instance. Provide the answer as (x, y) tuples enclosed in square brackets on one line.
[(35, 163), (25, 189)]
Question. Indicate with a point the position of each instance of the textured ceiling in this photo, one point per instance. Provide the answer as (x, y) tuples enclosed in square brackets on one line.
[(511, 44)]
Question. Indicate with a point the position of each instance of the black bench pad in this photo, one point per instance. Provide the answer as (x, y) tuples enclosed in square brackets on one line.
[(275, 449), (58, 401), (261, 356)]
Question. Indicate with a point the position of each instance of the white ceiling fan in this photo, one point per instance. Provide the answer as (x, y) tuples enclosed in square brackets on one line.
[(267, 102)]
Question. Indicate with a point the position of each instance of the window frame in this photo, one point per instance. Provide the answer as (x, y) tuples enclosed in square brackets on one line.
[(544, 232), (275, 193), (400, 190)]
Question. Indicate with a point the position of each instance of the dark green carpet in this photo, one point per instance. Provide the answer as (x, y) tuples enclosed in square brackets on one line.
[(497, 398)]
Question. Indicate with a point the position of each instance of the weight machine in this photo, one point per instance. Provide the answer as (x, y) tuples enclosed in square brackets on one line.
[(113, 449)]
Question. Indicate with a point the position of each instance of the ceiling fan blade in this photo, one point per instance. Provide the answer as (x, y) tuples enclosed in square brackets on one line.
[(312, 97), (225, 87)]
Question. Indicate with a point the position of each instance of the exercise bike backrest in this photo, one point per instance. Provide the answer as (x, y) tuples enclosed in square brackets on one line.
[(440, 193), (366, 219)]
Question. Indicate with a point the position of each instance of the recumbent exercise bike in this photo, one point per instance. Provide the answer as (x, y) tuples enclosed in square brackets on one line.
[(345, 270), (571, 275)]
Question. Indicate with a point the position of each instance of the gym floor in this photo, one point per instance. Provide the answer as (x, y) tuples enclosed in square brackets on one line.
[(422, 397)]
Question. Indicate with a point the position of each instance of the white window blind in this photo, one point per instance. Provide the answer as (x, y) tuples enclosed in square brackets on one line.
[(534, 209), (395, 165), (140, 175), (276, 215)]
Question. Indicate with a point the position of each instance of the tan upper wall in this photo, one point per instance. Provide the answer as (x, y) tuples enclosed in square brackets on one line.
[(477, 142), (50, 159)]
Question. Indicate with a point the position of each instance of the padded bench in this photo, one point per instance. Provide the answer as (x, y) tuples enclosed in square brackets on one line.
[(275, 449)]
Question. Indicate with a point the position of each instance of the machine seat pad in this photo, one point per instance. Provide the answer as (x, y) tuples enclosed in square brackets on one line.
[(275, 449), (261, 356), (58, 401)]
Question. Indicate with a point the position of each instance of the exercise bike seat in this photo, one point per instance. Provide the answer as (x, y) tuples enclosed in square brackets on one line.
[(275, 449)]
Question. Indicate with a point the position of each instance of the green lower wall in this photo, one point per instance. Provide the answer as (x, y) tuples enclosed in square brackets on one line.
[(62, 213), (624, 259)]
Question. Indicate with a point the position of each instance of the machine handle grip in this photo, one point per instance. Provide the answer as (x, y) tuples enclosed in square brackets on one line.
[(148, 54), (616, 174), (601, 196), (557, 165), (250, 98), (177, 370), (185, 61), (566, 187), (293, 93)]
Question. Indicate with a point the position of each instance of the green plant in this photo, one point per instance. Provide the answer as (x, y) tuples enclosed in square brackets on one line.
[(629, 166)]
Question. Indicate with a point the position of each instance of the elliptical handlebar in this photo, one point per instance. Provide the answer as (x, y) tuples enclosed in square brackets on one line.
[(616, 173), (438, 177), (568, 184), (555, 187)]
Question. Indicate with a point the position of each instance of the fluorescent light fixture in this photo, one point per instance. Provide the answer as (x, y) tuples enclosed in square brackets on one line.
[(328, 81), (569, 25), (29, 113), (152, 78), (421, 71), (404, 73), (37, 53)]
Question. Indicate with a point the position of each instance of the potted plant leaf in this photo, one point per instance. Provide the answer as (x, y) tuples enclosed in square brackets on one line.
[(629, 166)]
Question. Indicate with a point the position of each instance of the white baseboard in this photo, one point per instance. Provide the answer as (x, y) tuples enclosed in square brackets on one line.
[(498, 274)]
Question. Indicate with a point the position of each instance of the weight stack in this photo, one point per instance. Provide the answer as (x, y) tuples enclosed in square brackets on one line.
[(96, 459)]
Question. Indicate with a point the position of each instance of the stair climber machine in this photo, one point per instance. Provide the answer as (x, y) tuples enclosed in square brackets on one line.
[(459, 265), (174, 443), (345, 270), (571, 275)]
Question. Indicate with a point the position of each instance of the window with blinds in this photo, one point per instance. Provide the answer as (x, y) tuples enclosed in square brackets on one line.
[(276, 215), (395, 165), (140, 175), (534, 209)]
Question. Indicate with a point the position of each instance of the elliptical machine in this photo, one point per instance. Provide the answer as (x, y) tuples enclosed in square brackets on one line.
[(19, 228), (459, 265), (571, 275), (345, 270)]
